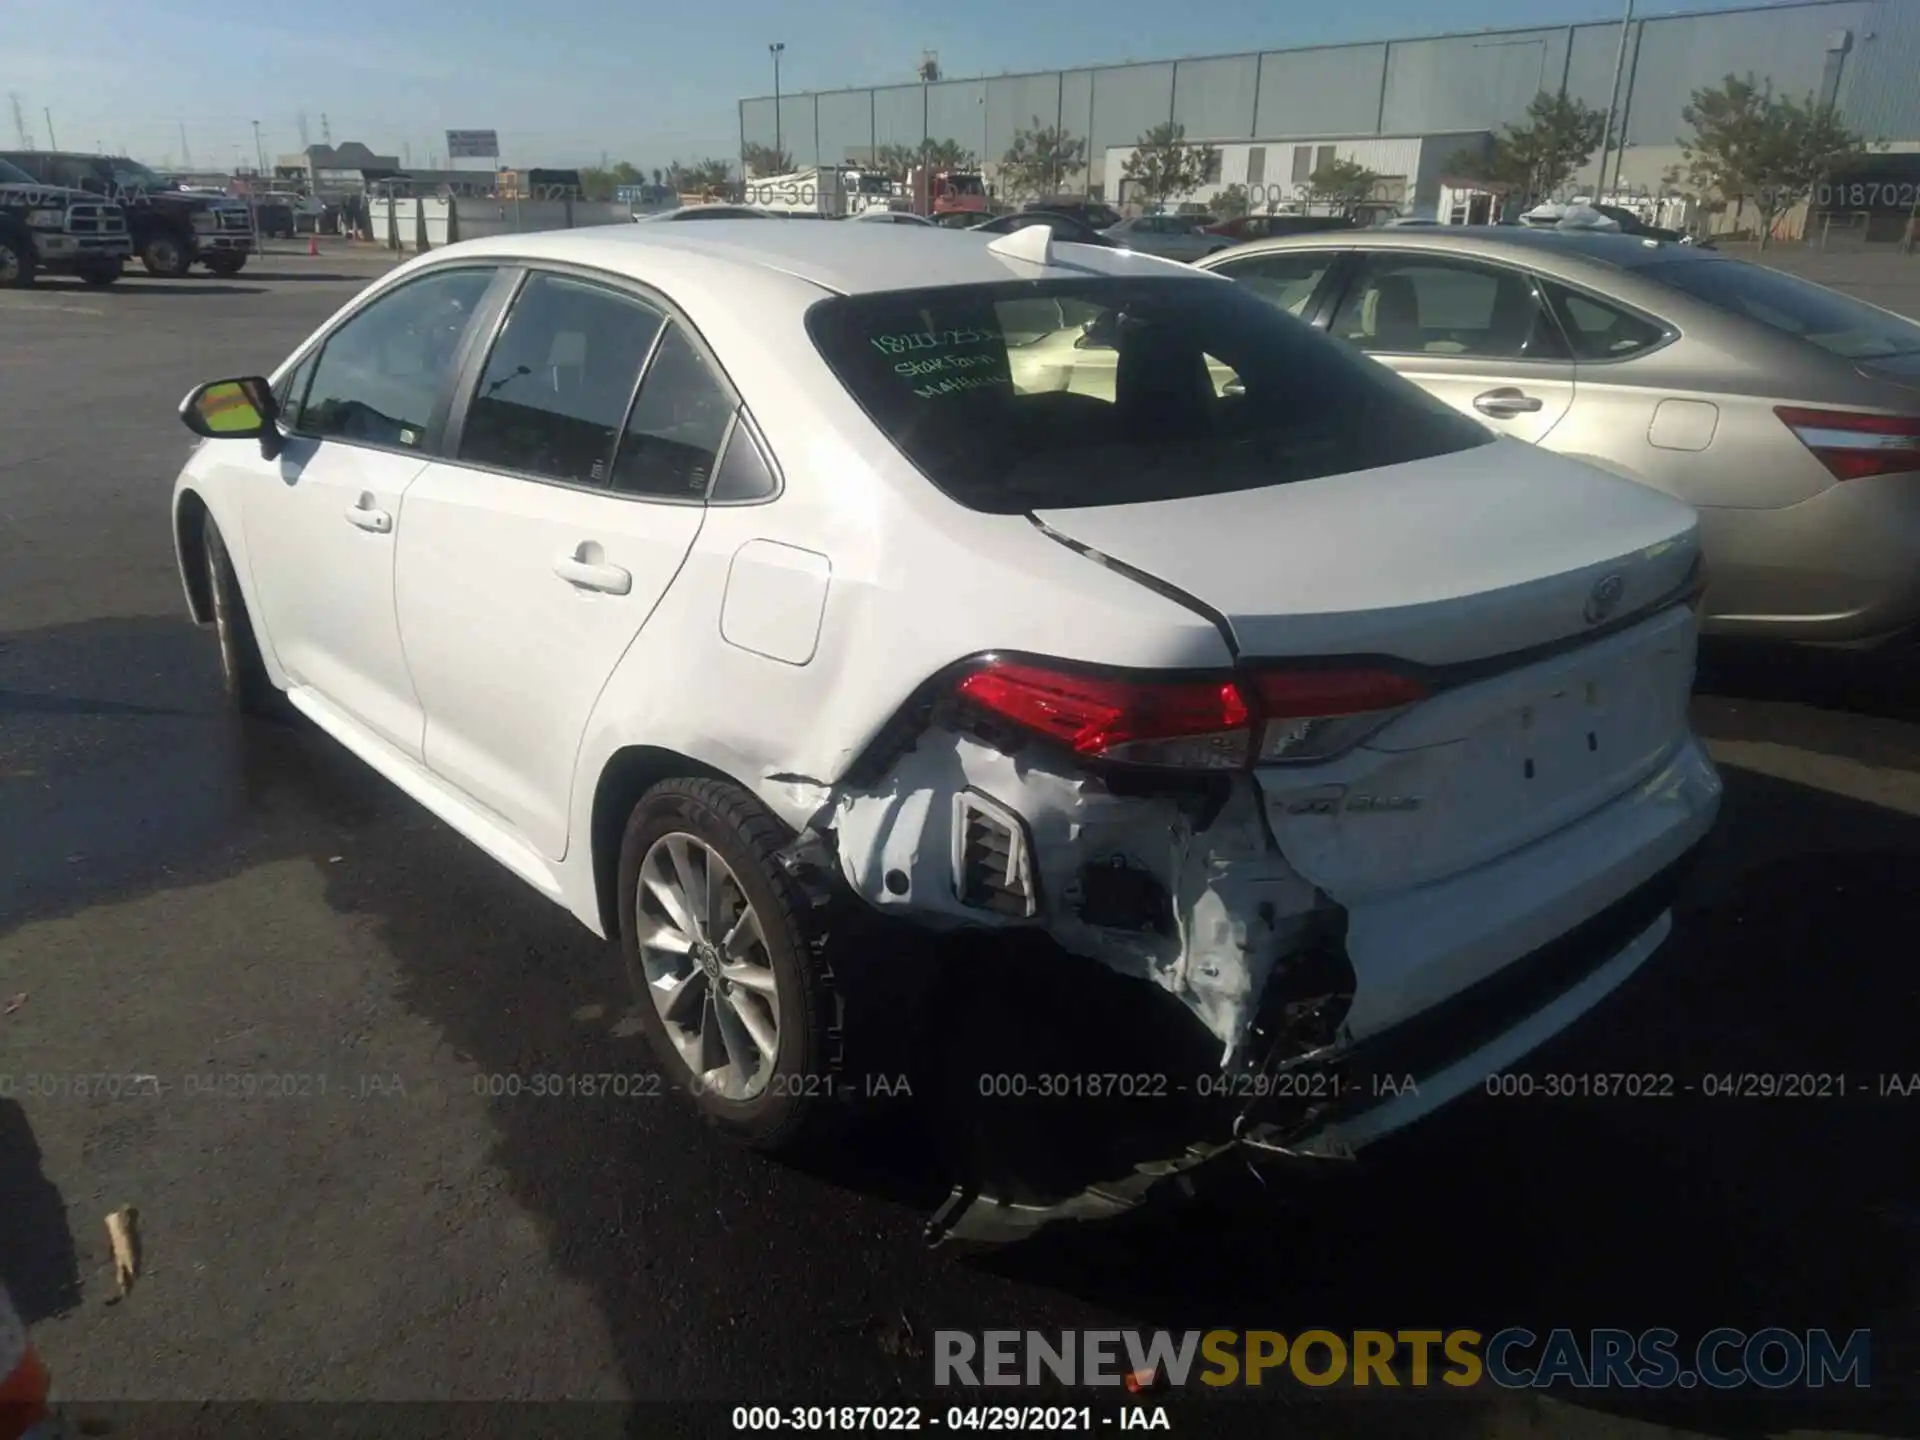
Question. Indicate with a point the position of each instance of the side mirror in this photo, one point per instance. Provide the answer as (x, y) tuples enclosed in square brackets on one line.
[(242, 409)]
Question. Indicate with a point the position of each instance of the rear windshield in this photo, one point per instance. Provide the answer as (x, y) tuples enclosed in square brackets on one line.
[(1836, 323), (1108, 391)]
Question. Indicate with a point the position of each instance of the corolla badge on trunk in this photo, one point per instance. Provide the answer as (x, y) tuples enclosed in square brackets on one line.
[(1604, 598), (1339, 800)]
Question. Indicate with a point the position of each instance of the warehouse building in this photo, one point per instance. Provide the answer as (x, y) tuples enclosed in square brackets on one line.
[(1409, 104)]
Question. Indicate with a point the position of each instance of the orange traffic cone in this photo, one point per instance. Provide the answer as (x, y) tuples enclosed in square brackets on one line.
[(23, 1380), (313, 244)]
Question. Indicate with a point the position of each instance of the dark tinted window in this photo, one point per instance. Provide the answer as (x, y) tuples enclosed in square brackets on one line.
[(1412, 305), (11, 174), (1286, 280), (744, 473), (677, 425), (559, 380), (1597, 330), (1836, 323), (1140, 389), (381, 374)]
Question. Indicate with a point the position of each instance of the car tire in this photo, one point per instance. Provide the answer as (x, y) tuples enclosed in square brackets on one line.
[(99, 273), (18, 263), (249, 690), (227, 264), (166, 256), (680, 827)]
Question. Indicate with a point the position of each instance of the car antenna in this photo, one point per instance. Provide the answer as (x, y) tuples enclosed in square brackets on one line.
[(1032, 243)]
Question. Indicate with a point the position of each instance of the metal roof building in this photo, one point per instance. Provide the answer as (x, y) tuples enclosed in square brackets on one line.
[(1862, 54)]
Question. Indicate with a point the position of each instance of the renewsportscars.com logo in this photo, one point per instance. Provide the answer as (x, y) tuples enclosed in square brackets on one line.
[(1514, 1358)]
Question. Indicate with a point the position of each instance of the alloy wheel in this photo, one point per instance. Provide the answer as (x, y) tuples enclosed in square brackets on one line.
[(707, 966)]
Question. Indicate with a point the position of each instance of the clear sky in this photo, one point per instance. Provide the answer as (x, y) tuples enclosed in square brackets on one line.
[(564, 80)]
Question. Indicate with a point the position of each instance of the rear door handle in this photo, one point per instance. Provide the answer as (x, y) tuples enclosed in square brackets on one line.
[(364, 513), (576, 568), (1506, 402)]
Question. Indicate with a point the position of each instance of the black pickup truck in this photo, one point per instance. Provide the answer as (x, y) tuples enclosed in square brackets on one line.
[(172, 229), (47, 229)]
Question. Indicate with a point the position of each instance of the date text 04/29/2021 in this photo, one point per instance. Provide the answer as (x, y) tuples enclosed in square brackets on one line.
[(1028, 1419)]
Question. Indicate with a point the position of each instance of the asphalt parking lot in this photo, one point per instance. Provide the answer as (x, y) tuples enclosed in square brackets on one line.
[(183, 897)]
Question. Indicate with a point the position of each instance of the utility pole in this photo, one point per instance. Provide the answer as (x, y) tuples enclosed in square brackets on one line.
[(774, 50), (186, 155), (53, 142), (259, 151), (326, 131), (1613, 100)]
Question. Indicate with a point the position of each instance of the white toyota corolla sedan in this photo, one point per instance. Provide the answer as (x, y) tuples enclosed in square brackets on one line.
[(713, 577)]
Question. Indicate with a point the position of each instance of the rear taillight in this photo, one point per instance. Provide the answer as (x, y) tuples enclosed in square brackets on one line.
[(1311, 714), (1852, 444), (1221, 723)]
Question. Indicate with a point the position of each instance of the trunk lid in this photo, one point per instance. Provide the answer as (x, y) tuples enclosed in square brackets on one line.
[(1467, 561), (1462, 557)]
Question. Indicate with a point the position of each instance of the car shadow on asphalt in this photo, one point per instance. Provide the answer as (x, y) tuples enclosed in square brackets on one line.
[(1792, 954)]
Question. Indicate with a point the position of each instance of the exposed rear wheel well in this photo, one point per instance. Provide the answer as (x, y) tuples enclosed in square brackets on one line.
[(189, 523), (627, 776)]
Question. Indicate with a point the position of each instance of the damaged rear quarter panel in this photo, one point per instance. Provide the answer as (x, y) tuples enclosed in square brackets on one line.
[(1236, 905)]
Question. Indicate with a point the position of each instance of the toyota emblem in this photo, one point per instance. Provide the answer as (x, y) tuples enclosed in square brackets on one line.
[(1605, 596)]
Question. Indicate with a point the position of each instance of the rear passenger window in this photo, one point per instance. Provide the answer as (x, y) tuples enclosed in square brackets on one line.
[(744, 473), (677, 425), (558, 381), (1416, 306), (1286, 280), (1598, 331)]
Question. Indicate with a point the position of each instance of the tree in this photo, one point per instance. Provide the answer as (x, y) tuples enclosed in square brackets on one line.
[(1232, 202), (765, 160), (945, 155), (1040, 159), (894, 161), (1751, 145), (701, 176), (1541, 155), (1165, 167), (1341, 183)]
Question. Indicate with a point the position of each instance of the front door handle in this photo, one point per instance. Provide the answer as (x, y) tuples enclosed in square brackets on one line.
[(584, 567), (364, 513), (1506, 402)]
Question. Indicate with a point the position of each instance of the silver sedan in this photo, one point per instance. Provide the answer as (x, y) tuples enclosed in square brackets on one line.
[(1787, 413)]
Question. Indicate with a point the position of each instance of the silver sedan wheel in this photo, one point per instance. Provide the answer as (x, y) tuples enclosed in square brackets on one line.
[(707, 967)]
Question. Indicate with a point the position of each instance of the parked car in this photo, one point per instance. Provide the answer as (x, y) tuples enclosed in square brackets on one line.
[(172, 229), (1265, 227), (273, 217), (56, 231), (1172, 237), (1789, 414), (1064, 227), (895, 217), (728, 588), (712, 212), (1632, 224), (1091, 213)]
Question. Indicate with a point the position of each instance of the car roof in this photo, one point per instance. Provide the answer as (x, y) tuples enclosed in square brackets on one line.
[(1509, 242), (846, 259)]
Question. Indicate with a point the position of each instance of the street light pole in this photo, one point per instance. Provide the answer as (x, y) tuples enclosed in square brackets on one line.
[(1613, 99), (774, 50), (259, 155)]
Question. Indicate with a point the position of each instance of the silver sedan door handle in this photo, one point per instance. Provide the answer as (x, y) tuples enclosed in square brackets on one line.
[(1506, 402), (364, 513), (584, 568)]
